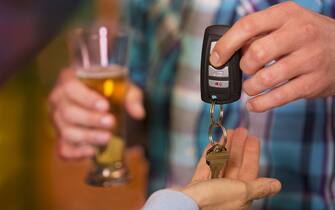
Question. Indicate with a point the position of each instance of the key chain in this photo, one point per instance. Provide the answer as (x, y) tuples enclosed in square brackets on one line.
[(219, 86), (217, 124)]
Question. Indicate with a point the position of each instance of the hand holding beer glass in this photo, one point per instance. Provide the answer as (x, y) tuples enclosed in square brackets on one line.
[(99, 56)]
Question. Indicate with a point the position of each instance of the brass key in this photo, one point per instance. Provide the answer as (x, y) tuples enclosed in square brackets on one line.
[(216, 159)]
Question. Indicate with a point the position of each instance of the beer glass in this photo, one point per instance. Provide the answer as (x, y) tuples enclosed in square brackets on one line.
[(99, 55)]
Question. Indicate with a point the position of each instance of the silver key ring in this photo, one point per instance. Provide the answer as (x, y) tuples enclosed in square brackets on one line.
[(212, 113), (224, 134)]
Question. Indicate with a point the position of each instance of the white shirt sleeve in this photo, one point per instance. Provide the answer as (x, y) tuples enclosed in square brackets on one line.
[(169, 199)]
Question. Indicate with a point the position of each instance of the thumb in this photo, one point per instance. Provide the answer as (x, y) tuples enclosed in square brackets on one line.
[(134, 102), (262, 187)]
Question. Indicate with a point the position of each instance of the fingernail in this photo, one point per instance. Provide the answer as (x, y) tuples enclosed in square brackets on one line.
[(106, 121), (101, 105), (215, 58), (275, 187), (250, 107), (103, 137)]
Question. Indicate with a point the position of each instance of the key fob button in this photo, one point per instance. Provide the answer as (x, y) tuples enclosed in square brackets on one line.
[(218, 83), (222, 73)]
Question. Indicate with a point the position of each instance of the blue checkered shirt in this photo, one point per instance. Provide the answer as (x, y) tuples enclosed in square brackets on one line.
[(297, 139)]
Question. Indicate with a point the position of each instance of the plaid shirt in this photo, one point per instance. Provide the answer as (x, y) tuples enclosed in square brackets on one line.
[(297, 139)]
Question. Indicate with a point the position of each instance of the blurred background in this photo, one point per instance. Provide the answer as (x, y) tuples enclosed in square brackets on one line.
[(31, 174)]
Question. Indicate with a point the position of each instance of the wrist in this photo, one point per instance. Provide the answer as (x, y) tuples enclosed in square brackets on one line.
[(192, 193)]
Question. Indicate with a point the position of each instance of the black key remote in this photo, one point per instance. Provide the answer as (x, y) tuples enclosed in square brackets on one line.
[(222, 85)]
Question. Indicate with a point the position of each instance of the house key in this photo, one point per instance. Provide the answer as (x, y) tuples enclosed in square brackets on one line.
[(217, 155)]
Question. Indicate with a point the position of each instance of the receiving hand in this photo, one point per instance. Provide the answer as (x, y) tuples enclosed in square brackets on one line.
[(240, 184), (81, 115), (300, 41)]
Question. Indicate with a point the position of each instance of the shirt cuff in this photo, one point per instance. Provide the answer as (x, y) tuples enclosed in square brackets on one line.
[(169, 199)]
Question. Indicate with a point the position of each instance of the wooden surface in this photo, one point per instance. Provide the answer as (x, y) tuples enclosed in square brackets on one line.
[(69, 192)]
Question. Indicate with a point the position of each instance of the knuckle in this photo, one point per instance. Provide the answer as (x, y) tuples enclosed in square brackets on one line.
[(258, 52), (259, 106), (310, 31), (244, 64), (287, 9), (54, 97), (66, 73), (297, 91), (320, 55), (317, 59), (311, 89), (290, 6), (266, 79), (247, 24), (247, 89), (62, 111), (278, 97), (68, 87), (56, 120), (59, 124), (305, 90)]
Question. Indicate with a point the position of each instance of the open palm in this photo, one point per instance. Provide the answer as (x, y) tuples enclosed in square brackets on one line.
[(239, 184)]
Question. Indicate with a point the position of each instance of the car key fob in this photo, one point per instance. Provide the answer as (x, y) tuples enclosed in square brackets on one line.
[(224, 84)]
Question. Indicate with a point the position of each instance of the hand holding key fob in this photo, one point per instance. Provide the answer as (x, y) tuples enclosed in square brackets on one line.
[(224, 84)]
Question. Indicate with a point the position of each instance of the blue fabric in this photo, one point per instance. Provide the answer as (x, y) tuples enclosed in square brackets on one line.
[(168, 200)]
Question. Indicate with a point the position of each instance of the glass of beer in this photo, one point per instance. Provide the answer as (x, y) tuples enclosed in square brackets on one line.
[(99, 56)]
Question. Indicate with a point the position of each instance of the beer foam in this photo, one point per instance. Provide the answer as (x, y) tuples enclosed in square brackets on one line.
[(98, 72)]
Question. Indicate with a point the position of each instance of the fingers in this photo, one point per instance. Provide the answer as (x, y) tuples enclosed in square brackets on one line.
[(270, 47), (55, 98), (134, 102), (293, 90), (77, 115), (262, 187), (248, 27), (66, 74), (293, 36), (236, 153), (80, 116), (68, 151), (77, 135), (250, 164), (78, 93), (269, 77)]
